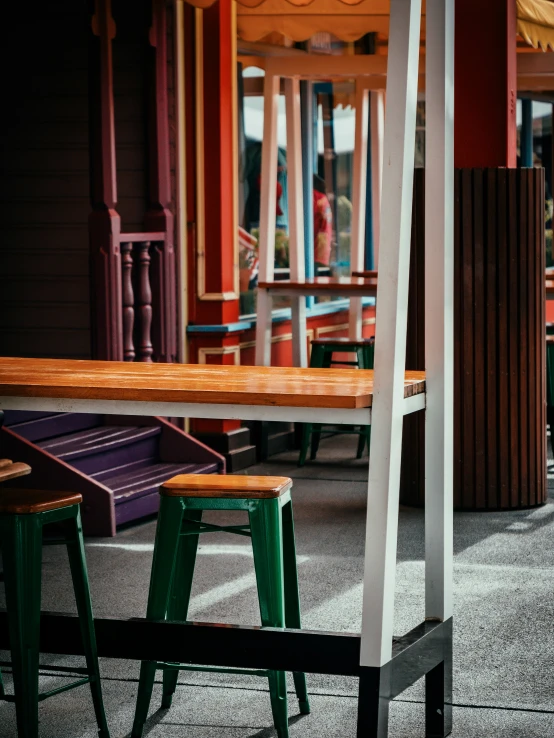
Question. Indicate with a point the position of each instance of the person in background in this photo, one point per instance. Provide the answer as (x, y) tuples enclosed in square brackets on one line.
[(323, 224)]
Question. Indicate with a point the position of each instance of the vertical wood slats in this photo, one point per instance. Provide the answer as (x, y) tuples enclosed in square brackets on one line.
[(499, 344), (500, 319)]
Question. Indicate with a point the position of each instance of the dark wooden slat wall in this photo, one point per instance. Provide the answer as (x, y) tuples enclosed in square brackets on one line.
[(44, 200), (499, 371)]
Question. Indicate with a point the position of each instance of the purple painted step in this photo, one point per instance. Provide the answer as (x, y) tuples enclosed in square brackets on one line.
[(148, 479), (116, 462), (139, 490), (53, 425), (102, 448)]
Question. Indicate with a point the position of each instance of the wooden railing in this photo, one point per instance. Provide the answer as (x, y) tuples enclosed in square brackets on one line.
[(137, 250)]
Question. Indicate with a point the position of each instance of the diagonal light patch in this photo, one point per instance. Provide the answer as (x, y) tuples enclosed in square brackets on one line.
[(229, 589)]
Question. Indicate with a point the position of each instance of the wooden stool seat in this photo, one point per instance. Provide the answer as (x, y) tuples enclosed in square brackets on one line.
[(226, 486), (343, 342), (32, 501), (9, 470)]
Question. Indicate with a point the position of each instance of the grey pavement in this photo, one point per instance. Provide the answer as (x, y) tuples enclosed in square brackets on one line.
[(504, 617)]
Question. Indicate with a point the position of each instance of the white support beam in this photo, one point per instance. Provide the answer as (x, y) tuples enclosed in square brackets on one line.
[(439, 308), (390, 339), (268, 208), (359, 183), (296, 219), (377, 141)]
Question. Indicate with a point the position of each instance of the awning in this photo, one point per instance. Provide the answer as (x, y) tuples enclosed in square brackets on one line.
[(349, 20), (299, 20), (535, 22)]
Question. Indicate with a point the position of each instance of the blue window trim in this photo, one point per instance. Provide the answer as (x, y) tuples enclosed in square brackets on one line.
[(279, 316)]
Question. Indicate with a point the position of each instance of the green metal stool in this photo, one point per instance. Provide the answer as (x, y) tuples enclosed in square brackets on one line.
[(23, 513), (550, 386), (322, 357), (268, 504)]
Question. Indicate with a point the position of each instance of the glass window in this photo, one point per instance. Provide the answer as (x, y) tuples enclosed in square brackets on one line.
[(252, 122), (330, 189), (332, 184), (540, 114)]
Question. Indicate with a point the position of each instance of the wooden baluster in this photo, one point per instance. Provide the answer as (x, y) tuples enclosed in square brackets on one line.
[(128, 301), (144, 303)]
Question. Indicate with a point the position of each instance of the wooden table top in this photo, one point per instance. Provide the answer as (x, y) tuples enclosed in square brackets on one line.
[(192, 383), (329, 285), (366, 273)]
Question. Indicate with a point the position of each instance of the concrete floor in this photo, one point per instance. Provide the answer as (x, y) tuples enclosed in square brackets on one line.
[(504, 617)]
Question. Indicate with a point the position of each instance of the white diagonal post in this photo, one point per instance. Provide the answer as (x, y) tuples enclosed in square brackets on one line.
[(268, 208), (377, 108), (359, 180), (296, 219), (390, 338), (439, 307)]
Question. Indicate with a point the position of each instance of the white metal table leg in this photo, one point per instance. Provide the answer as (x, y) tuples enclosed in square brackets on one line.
[(268, 208), (439, 347), (359, 182), (296, 219), (391, 325), (439, 307)]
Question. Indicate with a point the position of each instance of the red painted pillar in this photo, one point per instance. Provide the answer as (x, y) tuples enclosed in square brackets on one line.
[(217, 300), (485, 84), (499, 350), (214, 271)]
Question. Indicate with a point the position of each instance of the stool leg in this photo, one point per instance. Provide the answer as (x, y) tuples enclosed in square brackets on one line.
[(163, 564), (79, 574), (267, 546), (365, 361), (180, 592), (306, 433), (361, 442), (22, 555), (292, 598), (324, 358)]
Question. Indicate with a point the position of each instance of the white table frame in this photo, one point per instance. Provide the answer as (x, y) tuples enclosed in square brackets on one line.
[(392, 299), (384, 669)]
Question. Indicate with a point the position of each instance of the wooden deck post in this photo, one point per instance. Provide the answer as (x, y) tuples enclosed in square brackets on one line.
[(104, 221), (159, 217)]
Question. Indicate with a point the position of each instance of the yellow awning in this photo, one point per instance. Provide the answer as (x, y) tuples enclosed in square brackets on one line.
[(535, 22), (299, 20), (349, 20)]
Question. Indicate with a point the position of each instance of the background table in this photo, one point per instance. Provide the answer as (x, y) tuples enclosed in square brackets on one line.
[(356, 288)]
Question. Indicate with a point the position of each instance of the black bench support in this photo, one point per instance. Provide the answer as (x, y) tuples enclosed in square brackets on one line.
[(426, 651)]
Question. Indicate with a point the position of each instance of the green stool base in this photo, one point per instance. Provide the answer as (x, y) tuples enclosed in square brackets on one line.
[(21, 544), (271, 529), (322, 357)]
